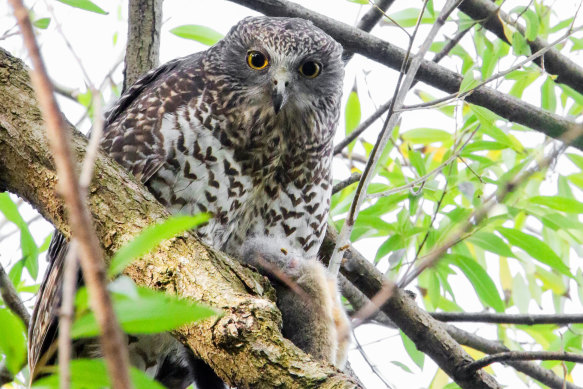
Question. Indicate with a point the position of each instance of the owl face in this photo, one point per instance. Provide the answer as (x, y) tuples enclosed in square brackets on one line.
[(283, 63)]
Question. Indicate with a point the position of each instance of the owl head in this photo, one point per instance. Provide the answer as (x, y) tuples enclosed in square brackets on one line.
[(282, 64)]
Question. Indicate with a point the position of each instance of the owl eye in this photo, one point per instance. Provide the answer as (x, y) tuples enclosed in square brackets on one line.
[(257, 60), (310, 69)]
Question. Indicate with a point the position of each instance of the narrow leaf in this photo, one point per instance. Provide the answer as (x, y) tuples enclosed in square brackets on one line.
[(205, 35), (559, 203), (42, 23), (535, 248), (483, 284), (148, 312), (85, 5), (92, 374), (152, 237), (12, 340)]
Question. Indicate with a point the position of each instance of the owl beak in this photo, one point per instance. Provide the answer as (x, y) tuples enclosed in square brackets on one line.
[(279, 91)]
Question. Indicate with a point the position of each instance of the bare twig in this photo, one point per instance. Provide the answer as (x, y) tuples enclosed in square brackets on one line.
[(112, 339), (66, 314), (369, 20), (523, 356), (11, 298), (354, 177), (506, 318), (373, 367)]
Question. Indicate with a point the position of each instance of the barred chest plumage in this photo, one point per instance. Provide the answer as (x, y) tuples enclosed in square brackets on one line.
[(256, 182)]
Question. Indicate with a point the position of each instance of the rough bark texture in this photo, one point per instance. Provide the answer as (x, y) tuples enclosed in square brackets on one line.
[(245, 345), (143, 48)]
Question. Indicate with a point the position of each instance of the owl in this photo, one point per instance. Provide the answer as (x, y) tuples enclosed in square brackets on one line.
[(244, 131)]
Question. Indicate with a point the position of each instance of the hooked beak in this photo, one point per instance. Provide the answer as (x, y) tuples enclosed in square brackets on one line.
[(279, 91)]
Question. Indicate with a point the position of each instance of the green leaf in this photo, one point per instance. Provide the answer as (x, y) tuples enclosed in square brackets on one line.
[(491, 242), (576, 159), (559, 203), (481, 281), (469, 81), (426, 136), (12, 340), (565, 23), (548, 95), (408, 17), (27, 244), (151, 237), (536, 248), (417, 356), (85, 5), (92, 374), (523, 80), (145, 311), (417, 162), (42, 23), (532, 24), (520, 45), (205, 35), (352, 113)]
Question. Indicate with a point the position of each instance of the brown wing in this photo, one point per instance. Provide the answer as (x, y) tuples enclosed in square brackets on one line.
[(131, 136)]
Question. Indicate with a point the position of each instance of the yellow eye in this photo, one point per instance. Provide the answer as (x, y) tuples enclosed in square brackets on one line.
[(310, 69), (257, 60)]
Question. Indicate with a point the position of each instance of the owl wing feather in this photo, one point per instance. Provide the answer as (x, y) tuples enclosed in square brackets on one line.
[(128, 137)]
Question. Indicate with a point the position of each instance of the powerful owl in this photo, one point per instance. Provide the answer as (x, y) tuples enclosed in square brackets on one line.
[(242, 130)]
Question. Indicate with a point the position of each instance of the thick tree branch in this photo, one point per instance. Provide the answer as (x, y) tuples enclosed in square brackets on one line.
[(430, 73), (547, 377), (143, 47), (244, 346), (488, 13)]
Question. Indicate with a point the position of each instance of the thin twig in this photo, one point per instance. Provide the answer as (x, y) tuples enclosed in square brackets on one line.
[(506, 318), (354, 177), (522, 356), (112, 340), (11, 298), (372, 366)]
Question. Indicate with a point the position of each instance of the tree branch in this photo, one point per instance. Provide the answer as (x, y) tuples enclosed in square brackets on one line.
[(487, 13), (111, 337), (430, 73), (523, 356), (143, 47), (244, 346), (506, 318), (11, 298), (547, 377)]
